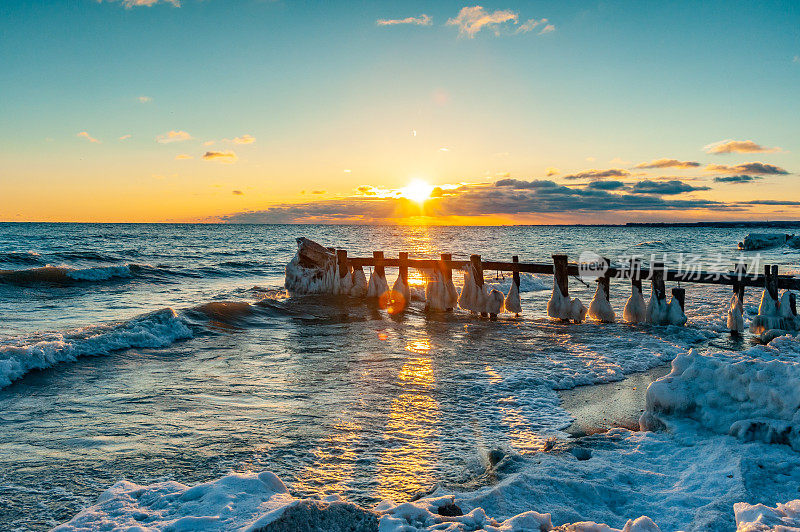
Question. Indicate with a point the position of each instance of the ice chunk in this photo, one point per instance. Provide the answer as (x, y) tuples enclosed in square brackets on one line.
[(735, 314), (675, 314), (561, 307), (345, 283), (512, 301), (600, 308), (752, 399), (656, 310), (755, 241), (377, 285), (452, 293), (635, 309), (762, 518)]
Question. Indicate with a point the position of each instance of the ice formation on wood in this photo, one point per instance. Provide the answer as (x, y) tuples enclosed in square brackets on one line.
[(401, 291), (600, 308), (775, 318), (359, 288), (452, 293), (635, 310), (661, 313), (377, 285), (512, 301), (736, 314), (494, 302), (473, 297), (561, 307), (436, 297)]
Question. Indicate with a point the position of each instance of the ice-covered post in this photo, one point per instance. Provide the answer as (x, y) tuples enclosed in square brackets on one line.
[(679, 294), (477, 272), (402, 266), (771, 282), (341, 260), (447, 273), (605, 280), (735, 318), (657, 281), (560, 273), (636, 273), (379, 269), (515, 271)]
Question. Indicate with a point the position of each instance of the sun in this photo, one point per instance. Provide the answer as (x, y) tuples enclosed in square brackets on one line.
[(417, 190)]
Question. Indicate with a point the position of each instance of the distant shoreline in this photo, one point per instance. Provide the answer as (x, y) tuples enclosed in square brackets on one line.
[(778, 224)]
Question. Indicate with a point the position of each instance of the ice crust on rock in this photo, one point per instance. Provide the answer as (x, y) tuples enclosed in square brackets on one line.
[(755, 241), (635, 310), (600, 308), (512, 301), (562, 307)]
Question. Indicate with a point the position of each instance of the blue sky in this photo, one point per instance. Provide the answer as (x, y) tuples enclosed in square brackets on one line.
[(324, 88)]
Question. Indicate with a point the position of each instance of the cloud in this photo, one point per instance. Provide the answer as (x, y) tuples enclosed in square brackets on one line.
[(471, 20), (88, 137), (220, 156), (738, 146), (422, 20), (145, 99), (173, 136), (599, 174), (125, 137), (547, 29), (244, 139), (550, 171), (747, 168), (770, 202), (668, 188), (606, 185), (237, 193), (506, 197), (530, 24), (144, 3), (668, 163), (737, 179), (318, 192), (183, 157)]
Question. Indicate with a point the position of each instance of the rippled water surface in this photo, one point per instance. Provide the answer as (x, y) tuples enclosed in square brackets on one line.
[(332, 394)]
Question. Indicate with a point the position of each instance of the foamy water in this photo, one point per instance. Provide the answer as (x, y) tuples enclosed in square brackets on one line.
[(160, 352)]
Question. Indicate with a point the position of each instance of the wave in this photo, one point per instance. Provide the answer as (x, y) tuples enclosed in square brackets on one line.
[(21, 257), (155, 329), (61, 275)]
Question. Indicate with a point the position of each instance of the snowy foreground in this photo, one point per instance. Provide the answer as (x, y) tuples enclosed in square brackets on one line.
[(719, 436)]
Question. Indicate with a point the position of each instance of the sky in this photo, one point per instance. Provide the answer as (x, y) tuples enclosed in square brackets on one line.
[(504, 112)]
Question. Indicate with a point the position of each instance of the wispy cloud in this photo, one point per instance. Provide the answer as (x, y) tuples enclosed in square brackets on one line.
[(125, 137), (88, 137), (143, 3), (551, 171), (747, 168), (530, 25), (738, 146), (144, 99), (173, 136), (547, 29), (598, 174), (471, 20), (183, 157), (220, 156), (237, 193), (737, 179), (244, 139), (668, 163), (422, 20)]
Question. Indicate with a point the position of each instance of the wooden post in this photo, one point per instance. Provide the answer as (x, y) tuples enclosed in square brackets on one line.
[(477, 270), (403, 266), (771, 281), (379, 269), (657, 281), (515, 271), (446, 271), (680, 295), (560, 273), (341, 259), (738, 285)]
